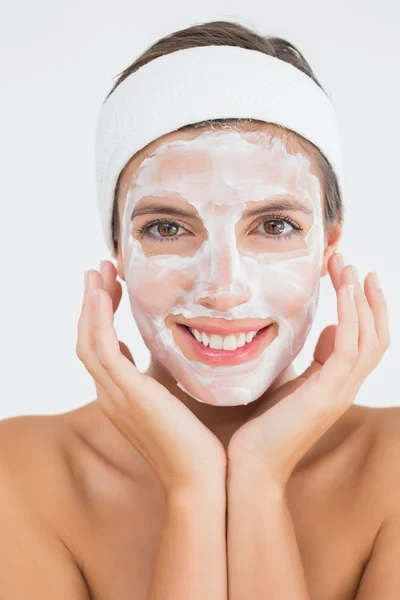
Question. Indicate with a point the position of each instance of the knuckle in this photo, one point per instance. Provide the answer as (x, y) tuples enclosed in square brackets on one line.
[(349, 356), (92, 345), (81, 352), (107, 361), (89, 364)]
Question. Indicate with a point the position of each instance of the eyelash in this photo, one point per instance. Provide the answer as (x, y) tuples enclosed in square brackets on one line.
[(144, 231)]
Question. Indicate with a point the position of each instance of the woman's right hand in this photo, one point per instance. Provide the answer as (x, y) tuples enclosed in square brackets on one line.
[(181, 450)]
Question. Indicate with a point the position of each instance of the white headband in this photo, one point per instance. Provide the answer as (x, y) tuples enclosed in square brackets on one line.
[(207, 82)]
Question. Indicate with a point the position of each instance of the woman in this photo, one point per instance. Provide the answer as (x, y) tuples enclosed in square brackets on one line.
[(218, 472)]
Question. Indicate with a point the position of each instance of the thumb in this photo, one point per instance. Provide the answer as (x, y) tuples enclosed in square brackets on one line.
[(323, 350), (325, 344)]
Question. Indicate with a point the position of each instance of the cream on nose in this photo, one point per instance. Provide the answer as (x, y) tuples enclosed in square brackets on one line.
[(223, 302), (224, 297), (224, 258), (225, 287)]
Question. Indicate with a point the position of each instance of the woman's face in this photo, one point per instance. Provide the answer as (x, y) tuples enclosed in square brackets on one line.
[(222, 246)]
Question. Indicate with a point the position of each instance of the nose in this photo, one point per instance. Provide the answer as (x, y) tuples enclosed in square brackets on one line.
[(226, 287), (223, 300)]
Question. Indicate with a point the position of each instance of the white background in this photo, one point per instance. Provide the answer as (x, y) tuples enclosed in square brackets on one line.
[(58, 62)]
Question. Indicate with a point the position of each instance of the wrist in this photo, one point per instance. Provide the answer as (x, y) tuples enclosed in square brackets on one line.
[(254, 483), (250, 470), (206, 494)]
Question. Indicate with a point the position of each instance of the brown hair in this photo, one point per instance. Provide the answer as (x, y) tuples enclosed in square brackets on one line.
[(225, 33)]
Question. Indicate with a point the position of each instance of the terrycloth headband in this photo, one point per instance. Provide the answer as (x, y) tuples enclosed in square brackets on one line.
[(208, 82)]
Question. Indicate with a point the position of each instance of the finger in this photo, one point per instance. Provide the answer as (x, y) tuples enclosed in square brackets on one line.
[(347, 330), (367, 337), (114, 289), (335, 266), (325, 344), (322, 352), (345, 352), (348, 275), (111, 284), (86, 342), (133, 384), (377, 302), (85, 339), (108, 351)]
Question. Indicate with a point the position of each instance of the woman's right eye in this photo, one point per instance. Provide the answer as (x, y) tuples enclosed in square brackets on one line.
[(166, 229), (161, 231)]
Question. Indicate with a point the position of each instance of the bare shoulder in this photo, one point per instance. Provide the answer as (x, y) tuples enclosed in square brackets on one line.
[(34, 455), (382, 464), (94, 503), (384, 431), (33, 484), (72, 464), (31, 440)]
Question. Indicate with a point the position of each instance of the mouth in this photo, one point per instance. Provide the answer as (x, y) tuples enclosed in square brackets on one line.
[(224, 350)]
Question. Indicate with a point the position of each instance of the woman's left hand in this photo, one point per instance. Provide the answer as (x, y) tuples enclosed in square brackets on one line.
[(291, 419)]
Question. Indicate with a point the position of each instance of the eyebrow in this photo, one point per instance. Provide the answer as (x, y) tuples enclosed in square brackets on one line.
[(287, 203)]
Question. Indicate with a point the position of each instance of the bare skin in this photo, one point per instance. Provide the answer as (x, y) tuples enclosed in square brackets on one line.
[(101, 507), (99, 496), (82, 506)]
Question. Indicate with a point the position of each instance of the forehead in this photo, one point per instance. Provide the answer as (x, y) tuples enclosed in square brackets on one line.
[(169, 159)]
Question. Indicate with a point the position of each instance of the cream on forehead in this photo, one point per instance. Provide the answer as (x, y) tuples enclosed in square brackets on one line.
[(243, 162), (217, 173)]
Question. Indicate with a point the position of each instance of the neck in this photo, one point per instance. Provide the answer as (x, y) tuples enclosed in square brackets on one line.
[(223, 421)]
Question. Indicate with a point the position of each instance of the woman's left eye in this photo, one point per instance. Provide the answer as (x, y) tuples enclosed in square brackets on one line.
[(277, 227)]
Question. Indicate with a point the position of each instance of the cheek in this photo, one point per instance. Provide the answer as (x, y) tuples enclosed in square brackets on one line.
[(295, 304), (155, 290), (302, 296), (291, 293)]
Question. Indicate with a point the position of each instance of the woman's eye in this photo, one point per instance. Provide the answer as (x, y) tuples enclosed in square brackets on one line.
[(167, 229), (163, 229), (276, 227)]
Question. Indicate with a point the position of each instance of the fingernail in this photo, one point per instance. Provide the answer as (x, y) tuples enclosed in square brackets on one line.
[(102, 267), (355, 273), (376, 280)]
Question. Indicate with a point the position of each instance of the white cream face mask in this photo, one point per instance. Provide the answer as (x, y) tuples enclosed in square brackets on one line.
[(224, 265)]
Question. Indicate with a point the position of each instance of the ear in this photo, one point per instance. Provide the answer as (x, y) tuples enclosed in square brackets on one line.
[(120, 265), (332, 239)]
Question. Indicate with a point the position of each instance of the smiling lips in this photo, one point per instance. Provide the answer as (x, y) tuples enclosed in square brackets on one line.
[(223, 350)]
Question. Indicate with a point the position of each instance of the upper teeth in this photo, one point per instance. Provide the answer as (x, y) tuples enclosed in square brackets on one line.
[(223, 342)]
